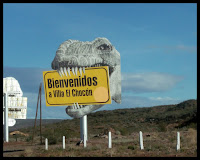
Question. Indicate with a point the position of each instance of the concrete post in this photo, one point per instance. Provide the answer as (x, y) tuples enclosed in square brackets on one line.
[(141, 141), (109, 140), (178, 141), (63, 142), (6, 128), (46, 144)]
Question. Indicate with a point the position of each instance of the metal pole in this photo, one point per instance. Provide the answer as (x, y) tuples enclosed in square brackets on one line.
[(6, 128), (40, 115), (36, 115), (84, 141), (83, 127)]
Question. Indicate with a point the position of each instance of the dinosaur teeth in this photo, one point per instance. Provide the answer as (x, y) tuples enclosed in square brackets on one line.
[(65, 71), (61, 70), (77, 105), (76, 70), (68, 70), (73, 71), (80, 70)]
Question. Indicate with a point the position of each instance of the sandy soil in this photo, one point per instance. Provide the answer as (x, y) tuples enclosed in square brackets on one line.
[(156, 144)]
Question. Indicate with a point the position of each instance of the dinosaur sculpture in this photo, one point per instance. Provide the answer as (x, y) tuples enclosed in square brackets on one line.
[(75, 55)]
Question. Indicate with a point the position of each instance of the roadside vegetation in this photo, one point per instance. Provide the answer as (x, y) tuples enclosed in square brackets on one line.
[(159, 125)]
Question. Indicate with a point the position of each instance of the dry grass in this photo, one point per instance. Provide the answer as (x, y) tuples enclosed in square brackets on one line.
[(156, 144)]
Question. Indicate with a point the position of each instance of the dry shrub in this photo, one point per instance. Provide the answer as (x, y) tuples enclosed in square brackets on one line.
[(192, 135), (28, 151)]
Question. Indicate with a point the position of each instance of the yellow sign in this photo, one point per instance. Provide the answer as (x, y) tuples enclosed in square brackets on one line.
[(92, 87)]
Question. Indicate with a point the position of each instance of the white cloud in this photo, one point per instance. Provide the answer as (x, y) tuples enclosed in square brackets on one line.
[(140, 101), (149, 82), (162, 98)]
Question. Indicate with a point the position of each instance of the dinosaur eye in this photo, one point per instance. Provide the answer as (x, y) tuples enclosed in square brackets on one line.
[(104, 47)]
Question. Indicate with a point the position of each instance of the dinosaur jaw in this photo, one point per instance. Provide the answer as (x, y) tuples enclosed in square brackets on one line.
[(77, 112), (79, 65)]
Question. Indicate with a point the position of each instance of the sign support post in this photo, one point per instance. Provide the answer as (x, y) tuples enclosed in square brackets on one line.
[(6, 128), (85, 140), (83, 127)]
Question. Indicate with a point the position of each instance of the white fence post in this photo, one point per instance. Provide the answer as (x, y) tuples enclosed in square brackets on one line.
[(178, 141), (109, 140), (46, 144), (6, 129), (63, 142), (141, 141), (84, 140)]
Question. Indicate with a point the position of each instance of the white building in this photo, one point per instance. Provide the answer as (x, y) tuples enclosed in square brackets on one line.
[(17, 105)]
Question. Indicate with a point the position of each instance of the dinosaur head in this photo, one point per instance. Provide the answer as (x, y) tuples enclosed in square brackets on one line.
[(75, 55)]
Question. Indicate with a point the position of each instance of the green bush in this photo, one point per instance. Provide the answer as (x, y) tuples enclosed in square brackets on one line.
[(131, 147), (124, 131), (52, 140), (162, 127), (28, 139)]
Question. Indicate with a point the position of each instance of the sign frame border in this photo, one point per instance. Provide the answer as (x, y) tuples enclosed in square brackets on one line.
[(89, 103)]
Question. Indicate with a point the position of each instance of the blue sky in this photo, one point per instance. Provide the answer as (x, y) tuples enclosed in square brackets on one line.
[(157, 44)]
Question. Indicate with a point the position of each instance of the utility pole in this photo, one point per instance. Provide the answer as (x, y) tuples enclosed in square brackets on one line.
[(83, 127), (40, 114), (39, 97), (6, 128)]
